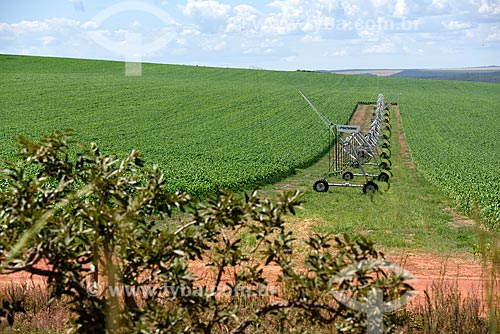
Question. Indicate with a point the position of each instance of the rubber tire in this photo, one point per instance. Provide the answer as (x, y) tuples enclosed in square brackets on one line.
[(384, 165), (387, 161), (370, 186), (347, 176), (321, 186), (385, 155), (383, 177)]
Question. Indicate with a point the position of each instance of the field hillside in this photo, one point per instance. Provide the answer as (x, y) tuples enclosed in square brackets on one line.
[(205, 127), (235, 128)]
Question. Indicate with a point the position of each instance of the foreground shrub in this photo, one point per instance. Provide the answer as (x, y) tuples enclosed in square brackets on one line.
[(94, 226)]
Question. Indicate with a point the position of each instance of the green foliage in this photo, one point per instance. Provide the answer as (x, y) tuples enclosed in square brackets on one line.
[(453, 136), (86, 225)]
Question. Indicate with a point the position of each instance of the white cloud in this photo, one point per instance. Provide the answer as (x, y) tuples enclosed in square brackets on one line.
[(285, 5), (263, 43), (29, 27), (456, 25), (182, 41), (340, 53), (381, 48), (290, 59), (278, 25), (380, 3), (488, 7), (311, 38), (440, 4), (258, 51), (413, 51), (494, 36), (47, 40), (350, 9), (306, 16), (24, 27), (217, 43), (260, 46), (90, 25), (469, 33), (190, 31), (308, 27), (291, 18), (207, 9), (135, 24), (400, 9), (210, 16), (244, 18)]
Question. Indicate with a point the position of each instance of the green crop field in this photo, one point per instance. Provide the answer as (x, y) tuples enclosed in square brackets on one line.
[(235, 128), (205, 127), (453, 131)]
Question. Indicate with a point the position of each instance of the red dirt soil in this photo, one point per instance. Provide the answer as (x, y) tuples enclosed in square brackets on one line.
[(460, 272)]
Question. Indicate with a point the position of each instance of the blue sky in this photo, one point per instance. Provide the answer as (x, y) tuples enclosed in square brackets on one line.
[(269, 34)]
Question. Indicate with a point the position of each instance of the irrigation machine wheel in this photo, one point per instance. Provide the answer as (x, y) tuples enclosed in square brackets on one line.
[(385, 154), (370, 187), (385, 164), (347, 176), (321, 186), (383, 177)]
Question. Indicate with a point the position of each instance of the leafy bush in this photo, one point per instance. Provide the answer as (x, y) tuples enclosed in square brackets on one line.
[(92, 224)]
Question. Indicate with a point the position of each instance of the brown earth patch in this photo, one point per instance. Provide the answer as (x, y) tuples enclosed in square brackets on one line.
[(362, 116), (23, 279), (405, 154), (463, 274), (382, 73), (459, 220)]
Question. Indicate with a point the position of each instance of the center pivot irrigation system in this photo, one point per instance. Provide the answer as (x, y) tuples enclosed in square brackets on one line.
[(358, 154)]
